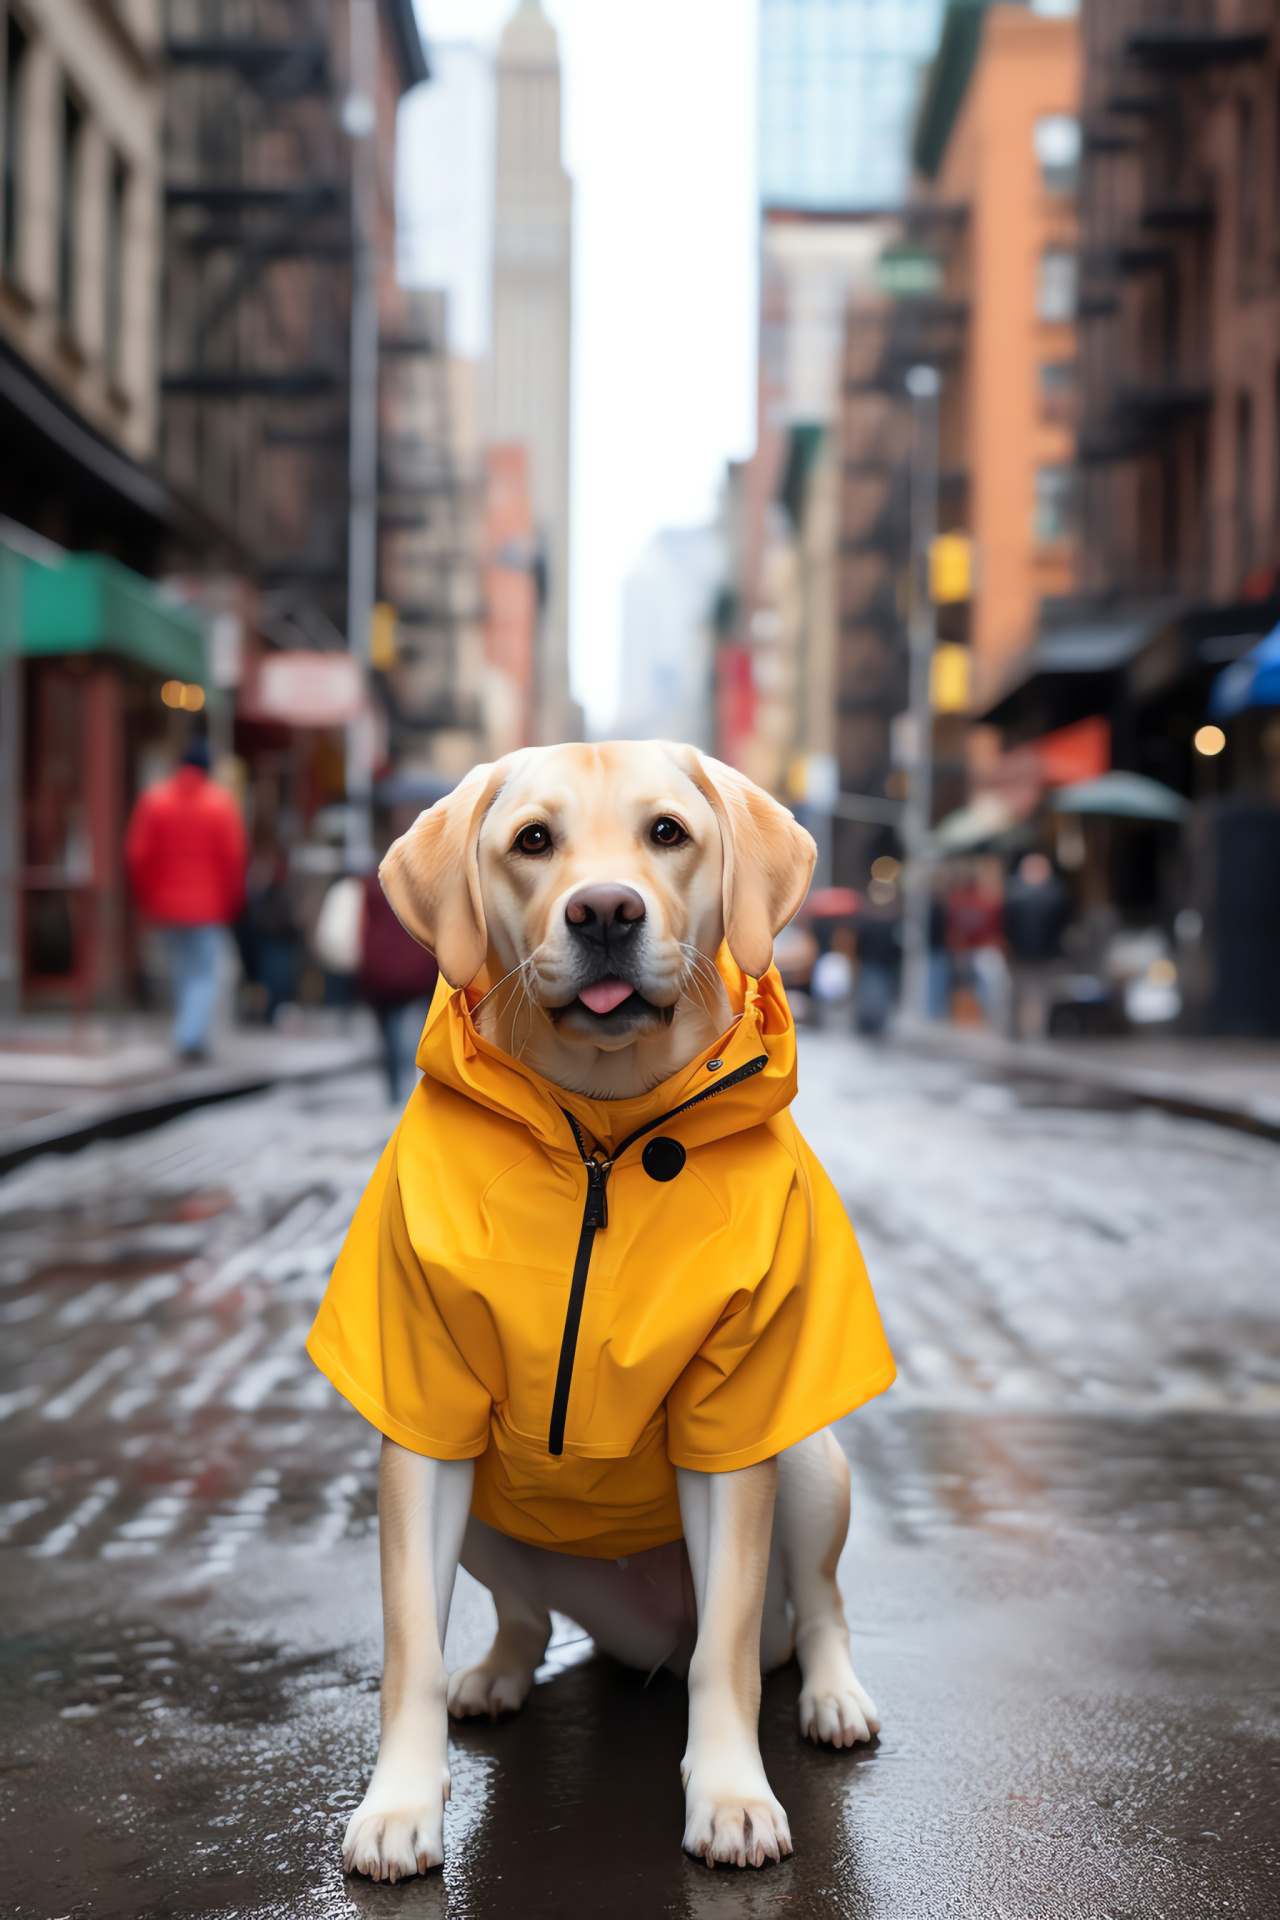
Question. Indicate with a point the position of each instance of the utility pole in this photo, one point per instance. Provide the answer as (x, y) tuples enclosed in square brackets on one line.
[(360, 122), (922, 384)]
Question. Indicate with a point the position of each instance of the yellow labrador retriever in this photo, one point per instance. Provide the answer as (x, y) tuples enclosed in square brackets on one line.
[(584, 892)]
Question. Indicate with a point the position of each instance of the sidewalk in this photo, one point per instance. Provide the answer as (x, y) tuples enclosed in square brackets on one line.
[(1235, 1083), (62, 1085)]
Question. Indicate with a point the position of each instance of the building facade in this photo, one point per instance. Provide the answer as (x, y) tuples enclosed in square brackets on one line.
[(1181, 301), (259, 184), (772, 632), (86, 643), (532, 265), (997, 149), (80, 109), (668, 667)]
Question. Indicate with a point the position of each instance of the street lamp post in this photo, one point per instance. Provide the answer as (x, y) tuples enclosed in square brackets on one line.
[(922, 384), (360, 121)]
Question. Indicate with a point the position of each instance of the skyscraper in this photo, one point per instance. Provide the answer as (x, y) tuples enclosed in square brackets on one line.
[(531, 323), (838, 84)]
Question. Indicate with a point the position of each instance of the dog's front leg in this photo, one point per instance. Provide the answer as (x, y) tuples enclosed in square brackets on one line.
[(731, 1814), (398, 1828)]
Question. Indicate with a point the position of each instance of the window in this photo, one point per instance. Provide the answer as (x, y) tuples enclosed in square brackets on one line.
[(1244, 483), (1055, 500), (15, 59), (69, 211), (1058, 389), (117, 205), (1056, 139), (1056, 287)]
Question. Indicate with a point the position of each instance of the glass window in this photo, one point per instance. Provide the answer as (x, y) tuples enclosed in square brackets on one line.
[(14, 76), (1057, 380), (837, 95), (1055, 498), (1056, 139), (69, 211), (117, 206), (1056, 287)]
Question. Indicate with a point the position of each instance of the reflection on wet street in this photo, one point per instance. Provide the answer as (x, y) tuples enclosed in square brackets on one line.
[(1062, 1574)]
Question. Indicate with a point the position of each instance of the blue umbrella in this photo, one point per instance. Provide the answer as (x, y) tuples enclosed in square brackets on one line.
[(1251, 681)]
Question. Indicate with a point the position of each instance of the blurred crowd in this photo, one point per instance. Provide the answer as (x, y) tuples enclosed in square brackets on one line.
[(1009, 948)]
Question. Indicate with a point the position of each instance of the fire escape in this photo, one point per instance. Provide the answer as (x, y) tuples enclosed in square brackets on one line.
[(257, 253), (430, 501), (1149, 217), (258, 249), (885, 338)]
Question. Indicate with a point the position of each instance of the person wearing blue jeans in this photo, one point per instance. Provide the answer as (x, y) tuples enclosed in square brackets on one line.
[(185, 856), (193, 972)]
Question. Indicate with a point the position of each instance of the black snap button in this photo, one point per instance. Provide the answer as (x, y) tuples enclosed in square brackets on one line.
[(713, 1065), (662, 1159)]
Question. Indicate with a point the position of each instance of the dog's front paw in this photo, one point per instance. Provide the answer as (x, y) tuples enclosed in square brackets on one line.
[(398, 1828), (734, 1825), (500, 1683), (834, 1707)]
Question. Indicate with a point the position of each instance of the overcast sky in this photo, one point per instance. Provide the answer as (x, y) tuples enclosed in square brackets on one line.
[(659, 137)]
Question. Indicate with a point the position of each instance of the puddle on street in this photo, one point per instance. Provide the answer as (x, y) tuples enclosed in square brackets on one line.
[(1061, 1585)]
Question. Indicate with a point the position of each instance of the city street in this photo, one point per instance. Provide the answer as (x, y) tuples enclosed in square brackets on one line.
[(1063, 1576)]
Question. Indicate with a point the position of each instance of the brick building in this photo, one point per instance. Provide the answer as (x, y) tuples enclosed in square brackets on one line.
[(996, 150)]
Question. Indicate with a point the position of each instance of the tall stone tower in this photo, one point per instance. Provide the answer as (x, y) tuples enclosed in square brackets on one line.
[(531, 287)]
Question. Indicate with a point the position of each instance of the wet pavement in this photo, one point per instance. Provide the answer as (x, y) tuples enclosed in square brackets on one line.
[(1063, 1576)]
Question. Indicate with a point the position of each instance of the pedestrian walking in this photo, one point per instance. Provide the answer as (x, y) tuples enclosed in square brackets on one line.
[(975, 941), (397, 978), (185, 857), (1037, 910), (879, 935), (938, 979), (271, 944)]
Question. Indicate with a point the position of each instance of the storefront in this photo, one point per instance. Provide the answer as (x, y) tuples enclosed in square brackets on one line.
[(98, 677)]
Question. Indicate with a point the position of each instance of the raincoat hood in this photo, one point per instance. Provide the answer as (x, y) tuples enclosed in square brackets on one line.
[(584, 1295)]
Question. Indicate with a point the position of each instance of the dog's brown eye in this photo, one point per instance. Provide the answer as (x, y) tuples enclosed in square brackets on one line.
[(533, 839), (667, 833)]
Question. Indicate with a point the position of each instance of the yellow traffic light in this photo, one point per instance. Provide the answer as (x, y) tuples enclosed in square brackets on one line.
[(950, 569), (382, 637), (949, 679)]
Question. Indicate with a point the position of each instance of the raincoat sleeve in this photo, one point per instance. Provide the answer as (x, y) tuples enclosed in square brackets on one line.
[(791, 1353), (380, 1339)]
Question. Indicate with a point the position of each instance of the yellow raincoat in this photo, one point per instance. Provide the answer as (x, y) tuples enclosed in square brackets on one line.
[(583, 1295)]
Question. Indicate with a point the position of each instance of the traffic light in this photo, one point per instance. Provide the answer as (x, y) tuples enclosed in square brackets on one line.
[(383, 652), (950, 569), (949, 679)]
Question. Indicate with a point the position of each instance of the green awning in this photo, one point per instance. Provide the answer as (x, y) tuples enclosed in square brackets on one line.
[(1125, 796), (89, 603)]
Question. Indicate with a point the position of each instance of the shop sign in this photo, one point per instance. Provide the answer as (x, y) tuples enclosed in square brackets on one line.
[(305, 689)]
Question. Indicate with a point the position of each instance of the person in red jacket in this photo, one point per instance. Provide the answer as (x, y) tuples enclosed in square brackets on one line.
[(185, 856)]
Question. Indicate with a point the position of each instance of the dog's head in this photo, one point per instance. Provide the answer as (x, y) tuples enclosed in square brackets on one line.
[(589, 888)]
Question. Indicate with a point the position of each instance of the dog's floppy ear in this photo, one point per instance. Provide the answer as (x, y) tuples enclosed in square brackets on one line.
[(768, 859), (431, 876)]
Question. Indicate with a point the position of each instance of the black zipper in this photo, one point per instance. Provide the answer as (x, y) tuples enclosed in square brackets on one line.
[(595, 1215)]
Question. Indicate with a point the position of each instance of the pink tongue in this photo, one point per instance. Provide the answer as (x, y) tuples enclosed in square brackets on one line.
[(606, 994)]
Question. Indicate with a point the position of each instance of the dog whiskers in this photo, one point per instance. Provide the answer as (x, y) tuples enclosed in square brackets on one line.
[(498, 983), (700, 972)]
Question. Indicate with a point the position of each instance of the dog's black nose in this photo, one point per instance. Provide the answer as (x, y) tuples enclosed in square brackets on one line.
[(602, 908)]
